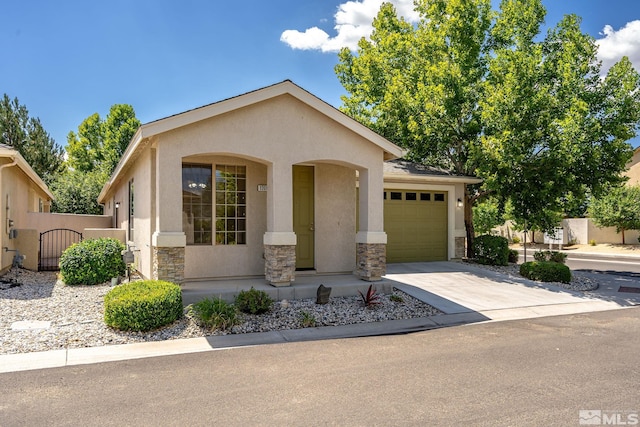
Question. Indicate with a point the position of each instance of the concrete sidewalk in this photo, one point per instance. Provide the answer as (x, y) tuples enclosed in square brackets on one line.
[(464, 292)]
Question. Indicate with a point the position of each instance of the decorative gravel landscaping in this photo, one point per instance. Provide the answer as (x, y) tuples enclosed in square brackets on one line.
[(76, 315)]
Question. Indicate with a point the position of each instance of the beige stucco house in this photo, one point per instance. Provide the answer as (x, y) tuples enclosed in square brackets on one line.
[(271, 182), (633, 168), (21, 191)]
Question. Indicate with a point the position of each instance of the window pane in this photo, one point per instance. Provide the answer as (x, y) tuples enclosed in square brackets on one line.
[(425, 196), (231, 205), (220, 198), (396, 196), (196, 203), (439, 197), (410, 196), (241, 238)]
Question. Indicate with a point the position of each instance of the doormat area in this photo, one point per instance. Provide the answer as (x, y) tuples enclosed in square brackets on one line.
[(629, 289)]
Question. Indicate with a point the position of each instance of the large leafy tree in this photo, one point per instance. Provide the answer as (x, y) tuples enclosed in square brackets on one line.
[(93, 153), (27, 135), (554, 131), (473, 90), (99, 144), (77, 192), (619, 208)]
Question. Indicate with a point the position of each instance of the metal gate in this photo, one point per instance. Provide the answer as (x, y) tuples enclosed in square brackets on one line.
[(52, 244)]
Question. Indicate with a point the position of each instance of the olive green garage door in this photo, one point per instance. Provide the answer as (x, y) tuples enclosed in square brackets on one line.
[(416, 225)]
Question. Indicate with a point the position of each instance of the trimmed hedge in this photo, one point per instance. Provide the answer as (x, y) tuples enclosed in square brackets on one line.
[(553, 256), (92, 261), (491, 250), (546, 271), (143, 305), (514, 255)]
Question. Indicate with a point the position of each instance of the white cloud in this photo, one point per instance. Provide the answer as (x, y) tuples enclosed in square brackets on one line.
[(352, 22), (616, 44)]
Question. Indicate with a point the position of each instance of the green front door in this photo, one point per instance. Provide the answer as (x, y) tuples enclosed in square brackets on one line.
[(303, 216)]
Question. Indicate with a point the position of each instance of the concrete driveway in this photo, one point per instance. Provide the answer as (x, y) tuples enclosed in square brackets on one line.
[(458, 288)]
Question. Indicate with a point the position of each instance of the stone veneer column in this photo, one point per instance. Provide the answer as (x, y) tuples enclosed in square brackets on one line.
[(371, 256), (279, 258), (168, 256), (460, 247)]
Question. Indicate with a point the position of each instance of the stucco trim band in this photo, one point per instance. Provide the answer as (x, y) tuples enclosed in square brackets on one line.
[(169, 239), (379, 237), (279, 238)]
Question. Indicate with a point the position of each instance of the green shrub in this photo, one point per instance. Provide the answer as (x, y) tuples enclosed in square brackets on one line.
[(143, 305), (553, 256), (546, 271), (592, 242), (92, 261), (515, 239), (307, 320), (514, 255), (491, 250), (253, 301), (215, 313)]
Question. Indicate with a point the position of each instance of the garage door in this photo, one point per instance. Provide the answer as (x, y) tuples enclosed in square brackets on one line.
[(416, 225)]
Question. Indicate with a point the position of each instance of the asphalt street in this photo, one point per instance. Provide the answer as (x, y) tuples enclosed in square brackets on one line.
[(528, 372)]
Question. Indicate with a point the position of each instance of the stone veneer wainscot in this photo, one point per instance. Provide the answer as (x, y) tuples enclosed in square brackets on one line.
[(371, 261)]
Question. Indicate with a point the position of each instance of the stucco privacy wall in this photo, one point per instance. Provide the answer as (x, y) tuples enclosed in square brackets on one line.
[(579, 230), (42, 222)]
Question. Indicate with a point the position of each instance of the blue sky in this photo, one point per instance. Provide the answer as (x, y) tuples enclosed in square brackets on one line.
[(66, 60)]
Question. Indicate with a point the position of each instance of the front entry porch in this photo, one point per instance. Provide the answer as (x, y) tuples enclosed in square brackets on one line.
[(305, 286)]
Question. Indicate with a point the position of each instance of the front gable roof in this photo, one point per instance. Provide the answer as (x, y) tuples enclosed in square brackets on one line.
[(7, 151), (287, 87)]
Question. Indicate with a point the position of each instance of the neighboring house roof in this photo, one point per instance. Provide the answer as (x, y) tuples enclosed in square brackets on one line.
[(148, 130), (7, 151), (404, 170)]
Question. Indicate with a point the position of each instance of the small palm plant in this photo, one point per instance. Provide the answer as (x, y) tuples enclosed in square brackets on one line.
[(371, 298)]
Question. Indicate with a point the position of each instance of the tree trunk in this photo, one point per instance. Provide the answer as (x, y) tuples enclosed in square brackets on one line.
[(468, 220), (623, 242)]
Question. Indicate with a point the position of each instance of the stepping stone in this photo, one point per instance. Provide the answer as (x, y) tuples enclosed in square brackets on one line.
[(30, 325)]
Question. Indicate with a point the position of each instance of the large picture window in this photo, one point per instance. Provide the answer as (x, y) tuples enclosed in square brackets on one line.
[(231, 205), (197, 204)]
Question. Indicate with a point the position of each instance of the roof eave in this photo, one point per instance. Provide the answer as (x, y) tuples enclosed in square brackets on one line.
[(389, 177)]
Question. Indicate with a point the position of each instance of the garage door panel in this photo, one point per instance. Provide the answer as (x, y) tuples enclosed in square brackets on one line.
[(416, 229)]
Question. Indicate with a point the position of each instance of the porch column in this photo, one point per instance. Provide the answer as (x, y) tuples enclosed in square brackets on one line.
[(168, 241), (371, 240), (279, 239)]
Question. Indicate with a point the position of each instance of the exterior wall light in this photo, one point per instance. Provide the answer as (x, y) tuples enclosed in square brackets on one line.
[(459, 203)]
